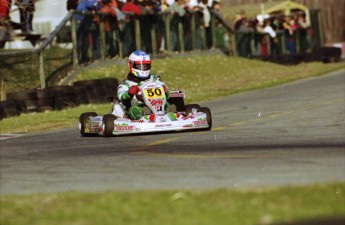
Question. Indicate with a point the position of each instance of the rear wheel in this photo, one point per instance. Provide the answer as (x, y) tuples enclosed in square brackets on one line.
[(189, 108), (207, 111), (83, 120), (108, 123)]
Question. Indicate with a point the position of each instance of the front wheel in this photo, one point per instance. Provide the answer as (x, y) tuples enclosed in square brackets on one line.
[(207, 111), (108, 125), (84, 120)]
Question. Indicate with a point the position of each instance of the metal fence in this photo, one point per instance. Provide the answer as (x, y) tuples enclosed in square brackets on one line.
[(99, 36)]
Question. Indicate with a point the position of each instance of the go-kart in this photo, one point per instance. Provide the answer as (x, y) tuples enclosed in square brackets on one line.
[(154, 119)]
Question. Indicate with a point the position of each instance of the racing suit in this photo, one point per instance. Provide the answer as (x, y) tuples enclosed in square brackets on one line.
[(131, 102)]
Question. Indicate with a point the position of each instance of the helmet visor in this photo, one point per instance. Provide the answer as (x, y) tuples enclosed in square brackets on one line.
[(142, 65)]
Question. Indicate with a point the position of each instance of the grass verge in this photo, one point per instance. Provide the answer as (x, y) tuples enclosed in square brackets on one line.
[(201, 77), (230, 206)]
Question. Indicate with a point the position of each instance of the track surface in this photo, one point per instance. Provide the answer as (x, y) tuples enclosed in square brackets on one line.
[(288, 135)]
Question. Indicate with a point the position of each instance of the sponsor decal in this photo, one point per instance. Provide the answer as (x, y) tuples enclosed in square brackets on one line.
[(163, 125), (155, 102), (199, 123), (95, 124), (123, 127), (176, 95)]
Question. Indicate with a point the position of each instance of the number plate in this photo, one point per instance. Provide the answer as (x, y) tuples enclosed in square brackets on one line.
[(154, 92)]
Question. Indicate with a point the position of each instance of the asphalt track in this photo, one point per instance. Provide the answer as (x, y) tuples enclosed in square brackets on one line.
[(291, 134)]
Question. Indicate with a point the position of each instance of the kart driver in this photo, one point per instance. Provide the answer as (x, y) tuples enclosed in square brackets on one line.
[(139, 64)]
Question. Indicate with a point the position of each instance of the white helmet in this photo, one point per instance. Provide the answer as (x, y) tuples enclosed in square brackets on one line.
[(139, 64)]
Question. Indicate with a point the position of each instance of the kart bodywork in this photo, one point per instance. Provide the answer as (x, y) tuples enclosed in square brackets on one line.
[(186, 117)]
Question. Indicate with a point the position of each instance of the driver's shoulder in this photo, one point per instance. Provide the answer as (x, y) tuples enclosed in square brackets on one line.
[(127, 83)]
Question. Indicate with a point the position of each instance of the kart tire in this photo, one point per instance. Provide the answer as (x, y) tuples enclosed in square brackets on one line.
[(84, 117), (108, 121), (207, 111), (190, 107)]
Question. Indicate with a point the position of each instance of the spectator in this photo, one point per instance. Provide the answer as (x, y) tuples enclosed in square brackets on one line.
[(216, 6), (128, 30), (161, 32), (177, 8), (163, 6), (148, 22), (26, 11), (84, 24), (290, 27), (129, 6), (206, 15), (268, 29), (302, 29), (198, 23), (220, 33), (187, 23), (5, 22), (110, 21), (243, 38), (240, 18)]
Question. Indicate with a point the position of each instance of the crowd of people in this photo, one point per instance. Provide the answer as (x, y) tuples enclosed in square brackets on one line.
[(267, 32), (26, 12), (120, 25), (119, 28)]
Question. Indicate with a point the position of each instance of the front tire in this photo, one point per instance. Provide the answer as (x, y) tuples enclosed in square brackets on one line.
[(108, 123), (207, 111), (83, 120)]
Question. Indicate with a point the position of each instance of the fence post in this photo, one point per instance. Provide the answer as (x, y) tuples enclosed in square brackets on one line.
[(41, 69), (203, 37), (193, 31), (137, 33), (75, 61), (298, 42), (252, 44), (213, 30), (102, 37), (234, 44), (2, 89), (181, 36), (283, 43), (269, 50), (153, 39), (167, 32)]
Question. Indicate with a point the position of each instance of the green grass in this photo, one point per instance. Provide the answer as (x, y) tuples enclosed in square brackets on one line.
[(201, 77), (21, 72), (224, 206)]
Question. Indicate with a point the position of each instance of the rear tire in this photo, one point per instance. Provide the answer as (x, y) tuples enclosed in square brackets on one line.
[(83, 119), (207, 111), (190, 107), (108, 121)]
